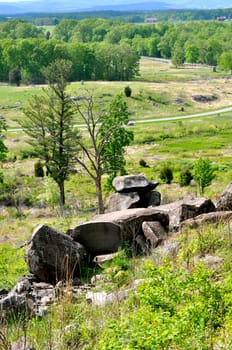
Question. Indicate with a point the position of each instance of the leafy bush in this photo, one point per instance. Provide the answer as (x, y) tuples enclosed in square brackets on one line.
[(128, 91), (38, 169), (166, 174), (143, 163), (185, 177), (203, 173)]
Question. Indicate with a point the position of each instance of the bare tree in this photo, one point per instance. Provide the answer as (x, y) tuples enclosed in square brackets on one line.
[(106, 138)]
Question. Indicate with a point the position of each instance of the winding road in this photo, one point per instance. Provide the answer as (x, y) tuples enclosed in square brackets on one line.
[(155, 120)]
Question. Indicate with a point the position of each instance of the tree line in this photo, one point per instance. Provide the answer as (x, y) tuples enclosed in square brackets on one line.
[(46, 19), (102, 49)]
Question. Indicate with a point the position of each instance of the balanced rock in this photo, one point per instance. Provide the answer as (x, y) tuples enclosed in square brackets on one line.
[(130, 200), (133, 183), (52, 255), (121, 201), (224, 202)]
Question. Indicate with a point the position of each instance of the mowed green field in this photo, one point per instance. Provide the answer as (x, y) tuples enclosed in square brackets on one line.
[(157, 93)]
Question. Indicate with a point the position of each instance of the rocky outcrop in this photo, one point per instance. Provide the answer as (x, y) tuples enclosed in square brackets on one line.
[(224, 202), (52, 256), (185, 209), (133, 191), (217, 217), (130, 220), (106, 233)]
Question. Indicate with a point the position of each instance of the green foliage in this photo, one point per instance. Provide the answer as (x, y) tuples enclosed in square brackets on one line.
[(204, 173), (185, 177), (113, 128), (128, 91), (38, 169), (166, 174), (143, 163), (15, 76), (175, 308)]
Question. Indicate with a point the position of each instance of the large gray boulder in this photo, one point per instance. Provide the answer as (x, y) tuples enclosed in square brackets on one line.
[(154, 232), (52, 255), (224, 202), (130, 200), (106, 232), (98, 237), (130, 220), (121, 201), (185, 209), (133, 183)]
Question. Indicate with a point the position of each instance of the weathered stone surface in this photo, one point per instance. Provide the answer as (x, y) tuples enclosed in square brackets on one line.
[(154, 232), (130, 220), (130, 200), (52, 256), (98, 237), (12, 305), (121, 201), (185, 209), (224, 202), (104, 298), (216, 217), (133, 183), (102, 259)]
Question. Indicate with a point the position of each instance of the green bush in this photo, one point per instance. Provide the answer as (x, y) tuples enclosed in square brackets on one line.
[(203, 173), (185, 177), (128, 91), (166, 174), (143, 163), (38, 169)]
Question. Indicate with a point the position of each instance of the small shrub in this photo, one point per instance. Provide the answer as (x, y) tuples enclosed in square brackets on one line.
[(203, 173), (185, 177), (128, 91), (38, 169), (166, 174), (143, 163)]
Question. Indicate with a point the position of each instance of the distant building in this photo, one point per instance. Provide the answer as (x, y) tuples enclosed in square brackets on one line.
[(151, 20), (221, 18)]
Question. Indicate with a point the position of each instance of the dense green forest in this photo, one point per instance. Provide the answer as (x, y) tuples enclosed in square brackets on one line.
[(109, 50)]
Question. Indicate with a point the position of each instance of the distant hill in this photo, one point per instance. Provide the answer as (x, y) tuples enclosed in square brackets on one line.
[(52, 6)]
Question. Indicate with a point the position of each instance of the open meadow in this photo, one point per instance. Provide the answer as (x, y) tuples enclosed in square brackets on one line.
[(160, 91)]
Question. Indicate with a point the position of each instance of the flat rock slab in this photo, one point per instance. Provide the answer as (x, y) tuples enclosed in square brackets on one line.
[(52, 255), (216, 217), (130, 220), (98, 237), (133, 183)]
